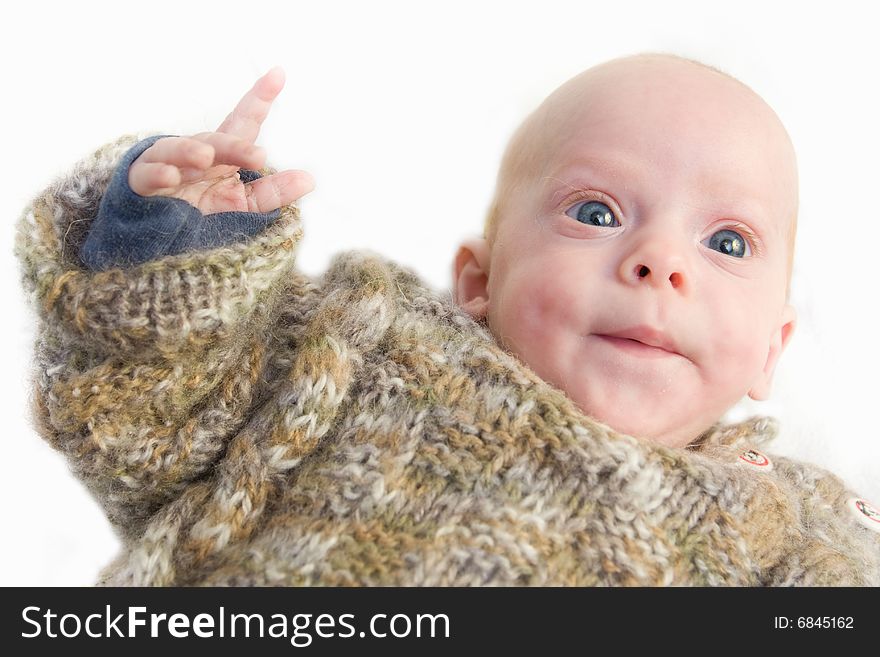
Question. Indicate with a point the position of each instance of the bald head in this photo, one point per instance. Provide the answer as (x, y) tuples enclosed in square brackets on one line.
[(650, 81)]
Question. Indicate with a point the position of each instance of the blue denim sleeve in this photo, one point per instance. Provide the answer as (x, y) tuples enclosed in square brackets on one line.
[(130, 229)]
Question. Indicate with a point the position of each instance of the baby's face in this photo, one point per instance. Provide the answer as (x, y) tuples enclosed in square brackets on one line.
[(643, 268)]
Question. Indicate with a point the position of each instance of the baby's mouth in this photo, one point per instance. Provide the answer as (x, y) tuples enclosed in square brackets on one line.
[(636, 347), (642, 341)]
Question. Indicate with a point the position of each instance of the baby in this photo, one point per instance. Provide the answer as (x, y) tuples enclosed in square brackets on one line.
[(639, 247), (555, 420)]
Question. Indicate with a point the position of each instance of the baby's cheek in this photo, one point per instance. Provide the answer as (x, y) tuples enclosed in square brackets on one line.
[(737, 351), (537, 304)]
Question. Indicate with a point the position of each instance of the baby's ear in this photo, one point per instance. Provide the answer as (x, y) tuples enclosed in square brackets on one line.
[(778, 341), (470, 277)]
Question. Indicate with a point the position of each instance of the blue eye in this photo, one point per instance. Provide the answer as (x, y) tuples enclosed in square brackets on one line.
[(595, 213), (729, 242)]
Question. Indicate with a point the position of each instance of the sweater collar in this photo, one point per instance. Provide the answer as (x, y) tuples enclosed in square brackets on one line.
[(758, 430)]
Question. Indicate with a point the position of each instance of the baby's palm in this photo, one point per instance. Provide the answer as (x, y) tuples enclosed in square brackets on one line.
[(203, 169), (216, 189)]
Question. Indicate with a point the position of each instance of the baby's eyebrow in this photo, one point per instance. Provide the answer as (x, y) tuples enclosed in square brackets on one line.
[(615, 167), (593, 172)]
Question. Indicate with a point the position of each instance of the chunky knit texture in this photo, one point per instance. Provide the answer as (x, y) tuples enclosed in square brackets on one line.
[(244, 424)]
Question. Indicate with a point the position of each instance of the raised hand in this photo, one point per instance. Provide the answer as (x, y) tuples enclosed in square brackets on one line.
[(203, 169)]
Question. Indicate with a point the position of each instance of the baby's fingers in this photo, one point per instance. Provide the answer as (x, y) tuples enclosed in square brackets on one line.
[(148, 179), (229, 149), (159, 166), (180, 152), (205, 150), (279, 189), (245, 120)]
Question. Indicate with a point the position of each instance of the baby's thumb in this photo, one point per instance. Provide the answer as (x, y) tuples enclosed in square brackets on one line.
[(278, 190)]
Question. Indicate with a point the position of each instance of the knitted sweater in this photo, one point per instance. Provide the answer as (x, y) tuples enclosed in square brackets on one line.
[(244, 424)]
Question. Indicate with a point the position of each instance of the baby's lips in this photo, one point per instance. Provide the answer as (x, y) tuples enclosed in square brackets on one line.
[(647, 335)]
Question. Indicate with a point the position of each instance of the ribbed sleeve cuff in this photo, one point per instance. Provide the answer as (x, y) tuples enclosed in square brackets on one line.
[(168, 304)]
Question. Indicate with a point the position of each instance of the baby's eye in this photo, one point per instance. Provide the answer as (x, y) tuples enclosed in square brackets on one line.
[(729, 242), (595, 213)]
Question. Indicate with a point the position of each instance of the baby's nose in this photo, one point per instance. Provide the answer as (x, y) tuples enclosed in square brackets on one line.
[(658, 264)]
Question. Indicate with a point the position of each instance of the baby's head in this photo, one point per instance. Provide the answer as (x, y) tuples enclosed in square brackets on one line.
[(638, 251)]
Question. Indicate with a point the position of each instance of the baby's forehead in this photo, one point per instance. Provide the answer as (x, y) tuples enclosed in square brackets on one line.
[(647, 92), (630, 117)]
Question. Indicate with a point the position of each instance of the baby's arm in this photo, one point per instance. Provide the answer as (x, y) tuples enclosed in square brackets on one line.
[(174, 194), (143, 373)]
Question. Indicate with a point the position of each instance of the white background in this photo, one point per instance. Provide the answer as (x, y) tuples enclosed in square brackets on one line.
[(401, 112)]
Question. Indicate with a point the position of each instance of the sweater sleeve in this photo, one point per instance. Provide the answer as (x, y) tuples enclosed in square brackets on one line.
[(130, 229), (141, 374)]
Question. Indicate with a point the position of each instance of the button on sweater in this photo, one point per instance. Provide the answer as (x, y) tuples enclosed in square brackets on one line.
[(242, 423)]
